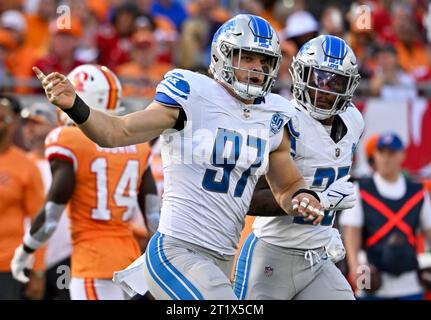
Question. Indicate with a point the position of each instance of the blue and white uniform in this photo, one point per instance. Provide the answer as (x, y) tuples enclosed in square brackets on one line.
[(272, 263), (210, 168), (321, 161)]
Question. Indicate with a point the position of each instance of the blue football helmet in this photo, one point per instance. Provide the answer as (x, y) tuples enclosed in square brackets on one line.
[(245, 32), (325, 64)]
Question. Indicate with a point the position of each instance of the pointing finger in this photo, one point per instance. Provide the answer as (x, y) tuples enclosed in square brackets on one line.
[(39, 74), (52, 77)]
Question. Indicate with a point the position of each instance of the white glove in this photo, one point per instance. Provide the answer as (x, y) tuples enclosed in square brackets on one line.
[(339, 195), (20, 261), (335, 248)]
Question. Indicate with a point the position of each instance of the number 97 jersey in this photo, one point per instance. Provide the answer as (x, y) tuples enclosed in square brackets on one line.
[(211, 166), (103, 200)]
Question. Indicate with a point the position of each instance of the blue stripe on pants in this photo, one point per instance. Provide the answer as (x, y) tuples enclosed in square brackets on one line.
[(242, 270), (150, 267), (166, 275)]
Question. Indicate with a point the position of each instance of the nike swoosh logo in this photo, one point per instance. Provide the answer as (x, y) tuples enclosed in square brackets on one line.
[(336, 194)]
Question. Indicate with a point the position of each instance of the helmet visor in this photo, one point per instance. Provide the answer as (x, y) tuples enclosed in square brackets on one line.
[(328, 81)]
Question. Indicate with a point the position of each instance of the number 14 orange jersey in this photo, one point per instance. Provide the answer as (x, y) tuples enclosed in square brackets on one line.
[(106, 187)]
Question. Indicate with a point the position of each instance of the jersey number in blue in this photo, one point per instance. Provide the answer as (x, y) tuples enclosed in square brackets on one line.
[(318, 181), (228, 163)]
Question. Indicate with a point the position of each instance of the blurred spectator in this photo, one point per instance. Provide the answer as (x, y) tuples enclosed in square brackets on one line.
[(92, 14), (362, 39), (300, 27), (22, 58), (389, 212), (39, 120), (37, 32), (10, 5), (332, 22), (7, 44), (114, 41), (427, 22), (21, 192), (206, 16), (63, 44), (165, 31), (143, 73), (370, 150), (411, 50), (266, 9), (99, 8), (172, 9), (389, 81), (382, 21)]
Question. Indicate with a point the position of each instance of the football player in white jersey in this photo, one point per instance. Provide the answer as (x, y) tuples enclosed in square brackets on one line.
[(289, 257), (233, 134)]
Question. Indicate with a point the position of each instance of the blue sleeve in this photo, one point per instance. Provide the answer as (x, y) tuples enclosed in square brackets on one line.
[(174, 89), (166, 100)]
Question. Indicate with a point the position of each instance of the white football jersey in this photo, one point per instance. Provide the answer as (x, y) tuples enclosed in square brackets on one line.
[(321, 161), (211, 166)]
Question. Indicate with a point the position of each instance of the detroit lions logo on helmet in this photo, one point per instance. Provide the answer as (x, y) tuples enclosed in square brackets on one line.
[(305, 47), (228, 26)]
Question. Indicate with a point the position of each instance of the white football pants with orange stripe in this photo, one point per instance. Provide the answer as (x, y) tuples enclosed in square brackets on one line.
[(95, 289)]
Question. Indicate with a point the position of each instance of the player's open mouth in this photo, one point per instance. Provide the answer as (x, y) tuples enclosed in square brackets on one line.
[(255, 80)]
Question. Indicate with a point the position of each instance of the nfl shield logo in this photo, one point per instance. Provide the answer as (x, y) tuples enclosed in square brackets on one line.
[(337, 152), (246, 113), (268, 271)]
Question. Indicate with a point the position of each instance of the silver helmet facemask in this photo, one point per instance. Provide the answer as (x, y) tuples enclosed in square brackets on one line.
[(238, 37), (318, 77)]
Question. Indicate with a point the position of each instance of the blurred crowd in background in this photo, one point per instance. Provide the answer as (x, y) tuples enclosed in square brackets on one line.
[(140, 40)]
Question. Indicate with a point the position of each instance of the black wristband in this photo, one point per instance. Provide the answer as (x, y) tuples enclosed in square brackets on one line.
[(79, 112), (313, 193)]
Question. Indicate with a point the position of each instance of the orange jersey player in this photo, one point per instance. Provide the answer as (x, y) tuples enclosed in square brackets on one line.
[(101, 187)]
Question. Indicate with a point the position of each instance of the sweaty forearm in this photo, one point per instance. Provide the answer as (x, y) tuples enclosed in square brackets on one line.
[(264, 204), (137, 127), (284, 197), (103, 128)]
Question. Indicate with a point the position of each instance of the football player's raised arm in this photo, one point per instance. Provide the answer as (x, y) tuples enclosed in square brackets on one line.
[(149, 201), (45, 223), (137, 127), (289, 187), (104, 129)]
